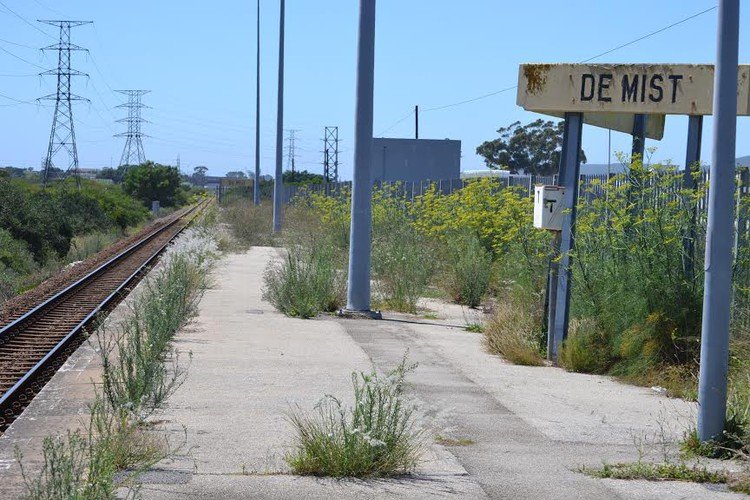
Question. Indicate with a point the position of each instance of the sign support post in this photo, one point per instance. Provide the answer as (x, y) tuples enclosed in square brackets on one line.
[(358, 290), (639, 137), (693, 156), (692, 165), (552, 277), (712, 384), (570, 165)]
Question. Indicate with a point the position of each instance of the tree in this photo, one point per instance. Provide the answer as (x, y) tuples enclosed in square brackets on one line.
[(114, 174), (533, 148), (236, 174), (151, 181), (199, 174), (301, 177)]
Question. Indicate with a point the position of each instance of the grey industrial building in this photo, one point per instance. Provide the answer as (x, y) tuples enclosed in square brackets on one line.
[(415, 160)]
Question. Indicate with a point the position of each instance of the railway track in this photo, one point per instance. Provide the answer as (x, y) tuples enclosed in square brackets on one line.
[(34, 345)]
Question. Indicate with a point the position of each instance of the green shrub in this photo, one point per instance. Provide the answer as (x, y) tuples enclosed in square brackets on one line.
[(586, 349), (468, 269), (74, 468), (47, 220), (402, 260), (630, 269), (374, 437), (16, 262), (306, 283)]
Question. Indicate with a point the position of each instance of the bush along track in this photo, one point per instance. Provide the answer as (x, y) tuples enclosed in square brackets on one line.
[(140, 370)]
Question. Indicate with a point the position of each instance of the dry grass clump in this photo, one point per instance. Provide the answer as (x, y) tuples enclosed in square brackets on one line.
[(585, 350), (250, 224), (514, 333)]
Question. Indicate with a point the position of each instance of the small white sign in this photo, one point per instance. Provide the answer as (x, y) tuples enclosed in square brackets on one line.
[(661, 89), (548, 207)]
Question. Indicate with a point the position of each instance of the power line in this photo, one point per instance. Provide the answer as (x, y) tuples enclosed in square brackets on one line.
[(650, 34), (48, 8), (18, 44), (103, 120), (614, 49), (96, 67), (21, 58), (232, 154), (26, 20), (485, 96), (407, 115), (101, 100), (18, 101)]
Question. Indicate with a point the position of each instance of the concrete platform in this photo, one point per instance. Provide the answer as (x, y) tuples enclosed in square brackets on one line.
[(530, 428)]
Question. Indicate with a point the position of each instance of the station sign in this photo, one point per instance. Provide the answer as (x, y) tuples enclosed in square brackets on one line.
[(609, 95), (653, 89)]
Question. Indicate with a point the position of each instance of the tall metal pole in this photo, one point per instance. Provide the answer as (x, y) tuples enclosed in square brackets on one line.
[(358, 292), (416, 122), (570, 166), (256, 182), (278, 183), (712, 383)]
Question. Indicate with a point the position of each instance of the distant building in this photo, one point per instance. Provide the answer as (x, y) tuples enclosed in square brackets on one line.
[(415, 160), (88, 173), (478, 174)]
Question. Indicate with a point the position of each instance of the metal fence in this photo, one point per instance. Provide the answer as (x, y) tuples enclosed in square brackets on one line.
[(590, 187)]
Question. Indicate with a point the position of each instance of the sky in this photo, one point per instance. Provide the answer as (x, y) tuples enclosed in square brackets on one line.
[(198, 60)]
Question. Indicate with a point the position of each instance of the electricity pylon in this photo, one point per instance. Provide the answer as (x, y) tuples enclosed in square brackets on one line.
[(291, 151), (63, 136), (331, 154), (132, 153)]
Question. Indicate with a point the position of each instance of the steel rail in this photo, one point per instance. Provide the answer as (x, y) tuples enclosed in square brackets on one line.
[(17, 322), (10, 401)]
